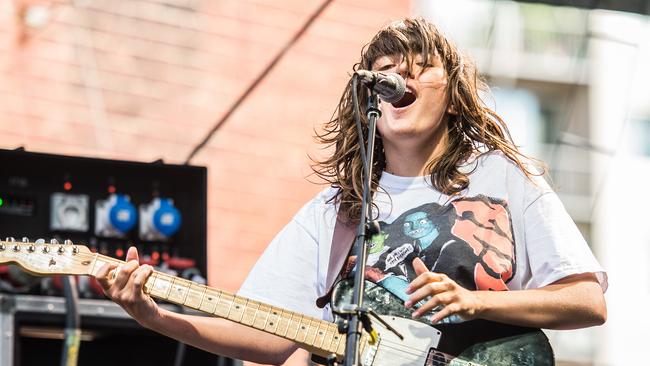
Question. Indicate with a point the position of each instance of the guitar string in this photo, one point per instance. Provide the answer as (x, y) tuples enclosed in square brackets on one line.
[(399, 349), (390, 346)]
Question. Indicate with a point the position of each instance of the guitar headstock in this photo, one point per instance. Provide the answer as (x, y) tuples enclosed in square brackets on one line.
[(53, 258)]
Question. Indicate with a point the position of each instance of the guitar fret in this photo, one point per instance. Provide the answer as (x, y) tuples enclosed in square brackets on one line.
[(319, 335), (312, 331), (273, 320), (302, 331), (293, 327), (169, 286), (225, 305), (237, 311), (209, 301), (149, 284), (283, 322), (161, 286), (340, 347), (177, 291), (264, 311), (247, 317), (328, 339), (194, 296)]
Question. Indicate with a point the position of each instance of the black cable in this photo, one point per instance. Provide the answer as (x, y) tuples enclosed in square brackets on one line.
[(259, 79), (181, 347), (72, 332)]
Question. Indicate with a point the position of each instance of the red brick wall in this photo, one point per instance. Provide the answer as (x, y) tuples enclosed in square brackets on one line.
[(140, 80), (143, 80)]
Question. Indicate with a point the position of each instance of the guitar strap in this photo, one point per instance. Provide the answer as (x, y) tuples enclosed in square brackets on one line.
[(342, 241)]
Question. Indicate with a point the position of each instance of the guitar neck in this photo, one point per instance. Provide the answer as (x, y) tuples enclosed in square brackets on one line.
[(315, 335)]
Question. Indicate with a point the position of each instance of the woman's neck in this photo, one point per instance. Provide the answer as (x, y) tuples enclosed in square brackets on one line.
[(411, 160)]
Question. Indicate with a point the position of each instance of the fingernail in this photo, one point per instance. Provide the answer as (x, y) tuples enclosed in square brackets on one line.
[(415, 314), (408, 290), (408, 303)]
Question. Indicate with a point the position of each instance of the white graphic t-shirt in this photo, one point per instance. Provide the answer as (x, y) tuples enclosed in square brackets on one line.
[(504, 232)]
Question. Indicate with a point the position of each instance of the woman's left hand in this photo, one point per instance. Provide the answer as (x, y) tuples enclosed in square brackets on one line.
[(450, 297)]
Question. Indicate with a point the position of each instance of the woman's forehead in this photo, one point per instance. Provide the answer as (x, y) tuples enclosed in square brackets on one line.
[(398, 57)]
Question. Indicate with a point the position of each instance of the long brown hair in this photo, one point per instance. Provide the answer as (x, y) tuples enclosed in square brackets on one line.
[(474, 129)]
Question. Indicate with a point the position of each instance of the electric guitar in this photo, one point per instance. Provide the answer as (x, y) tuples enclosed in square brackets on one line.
[(471, 343)]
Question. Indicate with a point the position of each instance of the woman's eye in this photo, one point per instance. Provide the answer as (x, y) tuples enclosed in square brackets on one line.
[(423, 65), (386, 67)]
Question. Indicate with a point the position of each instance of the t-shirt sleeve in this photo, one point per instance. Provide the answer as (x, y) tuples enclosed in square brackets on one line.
[(555, 246), (286, 274)]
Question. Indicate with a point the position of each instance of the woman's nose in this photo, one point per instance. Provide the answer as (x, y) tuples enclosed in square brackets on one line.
[(403, 69)]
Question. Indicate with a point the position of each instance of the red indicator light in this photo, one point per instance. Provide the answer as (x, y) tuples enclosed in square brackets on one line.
[(155, 256), (67, 186), (119, 252), (111, 189)]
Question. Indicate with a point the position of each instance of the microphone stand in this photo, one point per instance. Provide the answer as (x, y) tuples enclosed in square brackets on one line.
[(358, 315)]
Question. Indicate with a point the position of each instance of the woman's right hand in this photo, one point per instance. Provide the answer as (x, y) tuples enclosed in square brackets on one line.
[(124, 285)]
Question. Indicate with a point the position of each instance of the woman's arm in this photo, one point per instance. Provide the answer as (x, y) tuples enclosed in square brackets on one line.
[(572, 302), (214, 335), (224, 337)]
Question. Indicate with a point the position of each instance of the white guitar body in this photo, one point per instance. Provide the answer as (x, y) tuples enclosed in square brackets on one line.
[(419, 340)]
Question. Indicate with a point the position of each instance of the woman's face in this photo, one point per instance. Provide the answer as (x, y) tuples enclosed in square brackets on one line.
[(416, 118)]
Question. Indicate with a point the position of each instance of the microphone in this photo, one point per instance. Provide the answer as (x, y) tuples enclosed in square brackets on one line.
[(389, 86)]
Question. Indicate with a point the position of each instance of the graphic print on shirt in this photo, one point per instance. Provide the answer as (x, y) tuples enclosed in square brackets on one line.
[(470, 240)]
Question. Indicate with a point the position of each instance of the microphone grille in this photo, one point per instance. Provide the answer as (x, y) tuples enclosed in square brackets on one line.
[(398, 91)]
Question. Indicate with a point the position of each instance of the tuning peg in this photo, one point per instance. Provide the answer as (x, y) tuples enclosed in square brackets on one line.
[(75, 250), (41, 241), (61, 249), (31, 248), (25, 239), (2, 246), (10, 239), (54, 241)]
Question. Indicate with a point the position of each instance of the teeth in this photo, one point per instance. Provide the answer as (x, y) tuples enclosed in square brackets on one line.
[(410, 90)]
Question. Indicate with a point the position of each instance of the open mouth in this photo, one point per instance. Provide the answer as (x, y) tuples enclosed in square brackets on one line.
[(408, 99)]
